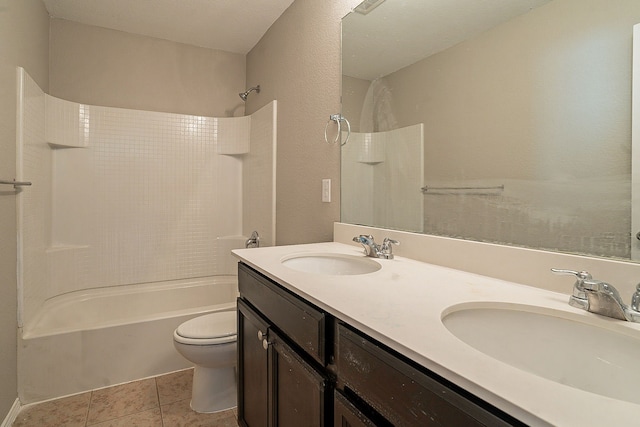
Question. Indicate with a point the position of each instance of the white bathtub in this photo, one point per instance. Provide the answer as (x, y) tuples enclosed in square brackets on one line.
[(90, 339)]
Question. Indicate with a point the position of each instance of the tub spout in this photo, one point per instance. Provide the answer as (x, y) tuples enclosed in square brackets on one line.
[(253, 241)]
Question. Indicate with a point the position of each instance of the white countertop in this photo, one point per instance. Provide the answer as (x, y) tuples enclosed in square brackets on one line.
[(402, 305)]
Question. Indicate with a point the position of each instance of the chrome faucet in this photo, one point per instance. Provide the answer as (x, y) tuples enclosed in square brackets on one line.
[(386, 250), (601, 298), (373, 250), (253, 241)]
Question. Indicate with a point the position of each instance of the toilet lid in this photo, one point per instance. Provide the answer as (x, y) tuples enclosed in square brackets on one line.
[(214, 325)]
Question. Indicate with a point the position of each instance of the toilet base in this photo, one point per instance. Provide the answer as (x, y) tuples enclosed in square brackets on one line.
[(214, 389)]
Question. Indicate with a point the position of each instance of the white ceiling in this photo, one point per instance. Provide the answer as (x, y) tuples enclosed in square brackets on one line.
[(230, 25), (399, 33)]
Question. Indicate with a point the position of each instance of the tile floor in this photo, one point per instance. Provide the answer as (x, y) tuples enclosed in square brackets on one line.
[(154, 402)]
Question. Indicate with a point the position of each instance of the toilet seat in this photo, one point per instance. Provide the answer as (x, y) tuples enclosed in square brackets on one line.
[(210, 329)]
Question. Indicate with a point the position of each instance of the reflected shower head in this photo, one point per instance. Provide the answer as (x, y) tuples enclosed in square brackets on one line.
[(244, 95)]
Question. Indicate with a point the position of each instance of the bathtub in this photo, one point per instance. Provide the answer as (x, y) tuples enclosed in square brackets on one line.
[(96, 338)]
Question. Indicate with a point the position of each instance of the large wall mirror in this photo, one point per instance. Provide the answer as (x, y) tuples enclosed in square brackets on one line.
[(503, 121)]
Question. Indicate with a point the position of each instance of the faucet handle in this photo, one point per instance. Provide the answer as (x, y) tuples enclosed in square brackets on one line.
[(635, 299), (363, 238), (387, 242), (579, 296), (580, 275), (386, 250)]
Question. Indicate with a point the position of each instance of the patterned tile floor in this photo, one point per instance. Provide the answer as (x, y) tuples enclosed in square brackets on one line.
[(154, 402)]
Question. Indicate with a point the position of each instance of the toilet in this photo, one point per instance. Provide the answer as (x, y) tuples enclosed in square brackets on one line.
[(209, 342)]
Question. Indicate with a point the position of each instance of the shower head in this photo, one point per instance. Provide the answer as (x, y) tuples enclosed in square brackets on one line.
[(244, 95)]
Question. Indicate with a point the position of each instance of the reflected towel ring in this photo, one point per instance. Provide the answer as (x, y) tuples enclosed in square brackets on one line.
[(338, 118)]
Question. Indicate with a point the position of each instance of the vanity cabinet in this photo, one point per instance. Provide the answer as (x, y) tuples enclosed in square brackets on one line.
[(392, 391), (282, 380), (299, 366)]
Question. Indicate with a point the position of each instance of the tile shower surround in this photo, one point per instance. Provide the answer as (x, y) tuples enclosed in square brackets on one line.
[(161, 401), (136, 196), (384, 164)]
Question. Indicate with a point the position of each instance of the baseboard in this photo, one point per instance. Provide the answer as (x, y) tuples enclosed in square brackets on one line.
[(12, 415)]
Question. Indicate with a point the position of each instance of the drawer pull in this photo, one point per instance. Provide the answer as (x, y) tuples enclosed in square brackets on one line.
[(262, 335), (265, 344)]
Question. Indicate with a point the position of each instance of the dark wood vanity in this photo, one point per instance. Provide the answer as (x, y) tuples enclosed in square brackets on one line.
[(300, 366)]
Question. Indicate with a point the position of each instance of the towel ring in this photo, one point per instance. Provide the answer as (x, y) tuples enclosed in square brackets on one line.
[(338, 118)]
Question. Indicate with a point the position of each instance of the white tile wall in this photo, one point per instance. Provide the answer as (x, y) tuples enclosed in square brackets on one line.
[(356, 183), (225, 244), (381, 178), (371, 147), (232, 134), (125, 196), (67, 124)]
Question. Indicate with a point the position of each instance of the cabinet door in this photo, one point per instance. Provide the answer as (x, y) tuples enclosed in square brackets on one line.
[(252, 368), (298, 390), (345, 414)]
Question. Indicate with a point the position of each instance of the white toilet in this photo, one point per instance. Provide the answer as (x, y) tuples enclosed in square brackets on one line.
[(210, 342)]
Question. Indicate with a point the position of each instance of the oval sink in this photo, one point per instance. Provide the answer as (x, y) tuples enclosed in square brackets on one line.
[(554, 345), (331, 264)]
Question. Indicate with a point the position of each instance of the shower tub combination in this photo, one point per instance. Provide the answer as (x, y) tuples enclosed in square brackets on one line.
[(90, 339), (127, 232)]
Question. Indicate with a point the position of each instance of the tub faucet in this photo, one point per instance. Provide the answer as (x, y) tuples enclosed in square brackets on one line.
[(373, 250), (253, 241), (601, 298)]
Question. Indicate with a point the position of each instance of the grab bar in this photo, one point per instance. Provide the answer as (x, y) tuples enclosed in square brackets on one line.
[(426, 188), (338, 118), (15, 183)]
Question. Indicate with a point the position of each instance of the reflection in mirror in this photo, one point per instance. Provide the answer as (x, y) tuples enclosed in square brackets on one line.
[(525, 115), (380, 174)]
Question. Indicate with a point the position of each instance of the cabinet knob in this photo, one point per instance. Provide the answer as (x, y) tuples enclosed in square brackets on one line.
[(265, 344), (262, 335)]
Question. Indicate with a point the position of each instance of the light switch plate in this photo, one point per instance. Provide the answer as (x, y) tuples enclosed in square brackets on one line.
[(326, 190)]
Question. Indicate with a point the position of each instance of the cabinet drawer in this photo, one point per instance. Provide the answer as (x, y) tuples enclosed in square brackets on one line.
[(300, 321), (399, 392)]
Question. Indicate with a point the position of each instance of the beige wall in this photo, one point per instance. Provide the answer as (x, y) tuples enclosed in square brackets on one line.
[(297, 62), (24, 30), (538, 97), (94, 65)]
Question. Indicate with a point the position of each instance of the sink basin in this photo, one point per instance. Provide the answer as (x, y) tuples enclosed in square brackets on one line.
[(559, 346), (331, 264)]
